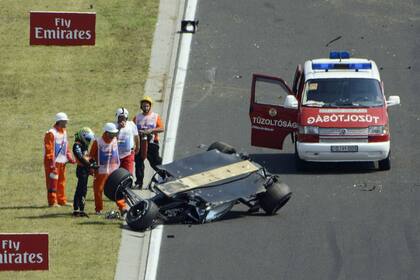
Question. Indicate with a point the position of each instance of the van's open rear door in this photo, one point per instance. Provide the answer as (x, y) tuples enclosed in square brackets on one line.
[(271, 122)]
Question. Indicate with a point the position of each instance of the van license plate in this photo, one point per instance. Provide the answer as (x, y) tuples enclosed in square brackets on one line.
[(344, 149)]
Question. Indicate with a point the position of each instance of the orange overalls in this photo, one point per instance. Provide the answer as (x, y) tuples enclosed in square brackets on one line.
[(56, 155), (105, 151)]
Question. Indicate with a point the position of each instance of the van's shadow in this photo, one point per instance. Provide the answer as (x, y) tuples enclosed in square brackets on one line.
[(284, 163)]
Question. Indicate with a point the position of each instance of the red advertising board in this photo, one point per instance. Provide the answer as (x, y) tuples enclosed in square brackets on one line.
[(62, 28), (23, 251)]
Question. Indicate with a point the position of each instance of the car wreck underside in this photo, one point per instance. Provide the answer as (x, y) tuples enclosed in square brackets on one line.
[(200, 188)]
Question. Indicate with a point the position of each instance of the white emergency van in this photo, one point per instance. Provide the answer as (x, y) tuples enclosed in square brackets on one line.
[(336, 111)]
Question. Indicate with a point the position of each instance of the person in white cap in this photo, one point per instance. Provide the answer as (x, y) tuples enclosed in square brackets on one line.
[(105, 152), (128, 139), (56, 155)]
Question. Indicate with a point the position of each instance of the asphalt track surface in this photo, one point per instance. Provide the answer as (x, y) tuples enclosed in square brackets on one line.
[(345, 221)]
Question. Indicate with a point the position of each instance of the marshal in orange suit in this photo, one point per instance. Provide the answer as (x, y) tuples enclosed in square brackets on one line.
[(56, 155), (105, 152)]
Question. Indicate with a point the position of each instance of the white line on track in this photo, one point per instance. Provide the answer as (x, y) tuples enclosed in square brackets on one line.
[(171, 132)]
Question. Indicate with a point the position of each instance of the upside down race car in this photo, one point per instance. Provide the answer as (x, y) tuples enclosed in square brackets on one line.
[(199, 189)]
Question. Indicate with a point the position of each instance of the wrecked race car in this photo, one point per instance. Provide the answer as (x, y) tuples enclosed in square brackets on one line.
[(199, 189)]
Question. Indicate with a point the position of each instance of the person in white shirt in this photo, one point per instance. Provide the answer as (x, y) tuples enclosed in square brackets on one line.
[(128, 139)]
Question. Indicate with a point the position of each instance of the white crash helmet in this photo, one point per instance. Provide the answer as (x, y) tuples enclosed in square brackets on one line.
[(61, 117), (110, 127), (121, 112)]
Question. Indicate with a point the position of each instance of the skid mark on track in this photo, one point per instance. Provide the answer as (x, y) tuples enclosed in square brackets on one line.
[(413, 247), (337, 258), (222, 88), (211, 80), (237, 19)]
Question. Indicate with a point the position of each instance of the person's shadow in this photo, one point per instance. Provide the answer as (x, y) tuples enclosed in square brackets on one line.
[(22, 207)]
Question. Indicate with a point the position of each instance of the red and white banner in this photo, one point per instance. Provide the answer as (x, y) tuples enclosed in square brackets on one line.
[(23, 251), (62, 28)]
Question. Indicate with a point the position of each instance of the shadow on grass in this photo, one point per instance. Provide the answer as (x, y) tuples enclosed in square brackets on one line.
[(83, 220), (17, 207), (101, 223), (47, 216)]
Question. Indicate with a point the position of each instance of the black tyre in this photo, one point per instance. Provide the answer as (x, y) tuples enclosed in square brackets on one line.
[(276, 196), (142, 215), (116, 182), (222, 147), (385, 164)]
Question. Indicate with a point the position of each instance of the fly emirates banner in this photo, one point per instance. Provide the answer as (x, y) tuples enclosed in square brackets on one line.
[(62, 28), (23, 251)]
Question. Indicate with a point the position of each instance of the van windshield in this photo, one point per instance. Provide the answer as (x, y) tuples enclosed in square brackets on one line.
[(343, 92)]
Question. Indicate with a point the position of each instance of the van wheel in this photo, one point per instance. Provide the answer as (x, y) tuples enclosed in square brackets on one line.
[(385, 164), (222, 147)]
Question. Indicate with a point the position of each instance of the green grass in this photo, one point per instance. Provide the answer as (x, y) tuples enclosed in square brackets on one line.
[(89, 84)]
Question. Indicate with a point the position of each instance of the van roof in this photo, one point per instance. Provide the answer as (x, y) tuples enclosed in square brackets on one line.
[(324, 68)]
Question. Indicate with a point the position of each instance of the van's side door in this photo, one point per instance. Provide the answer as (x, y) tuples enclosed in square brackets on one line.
[(271, 121)]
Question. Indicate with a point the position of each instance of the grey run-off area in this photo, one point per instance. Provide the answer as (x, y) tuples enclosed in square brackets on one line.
[(345, 221)]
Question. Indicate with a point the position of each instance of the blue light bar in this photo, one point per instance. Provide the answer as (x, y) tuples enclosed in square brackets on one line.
[(339, 55), (322, 66), (342, 66), (344, 55), (334, 55), (358, 66)]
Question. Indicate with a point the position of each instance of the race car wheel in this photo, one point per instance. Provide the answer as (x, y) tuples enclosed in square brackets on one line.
[(222, 147), (142, 215), (116, 182), (276, 196), (385, 164)]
